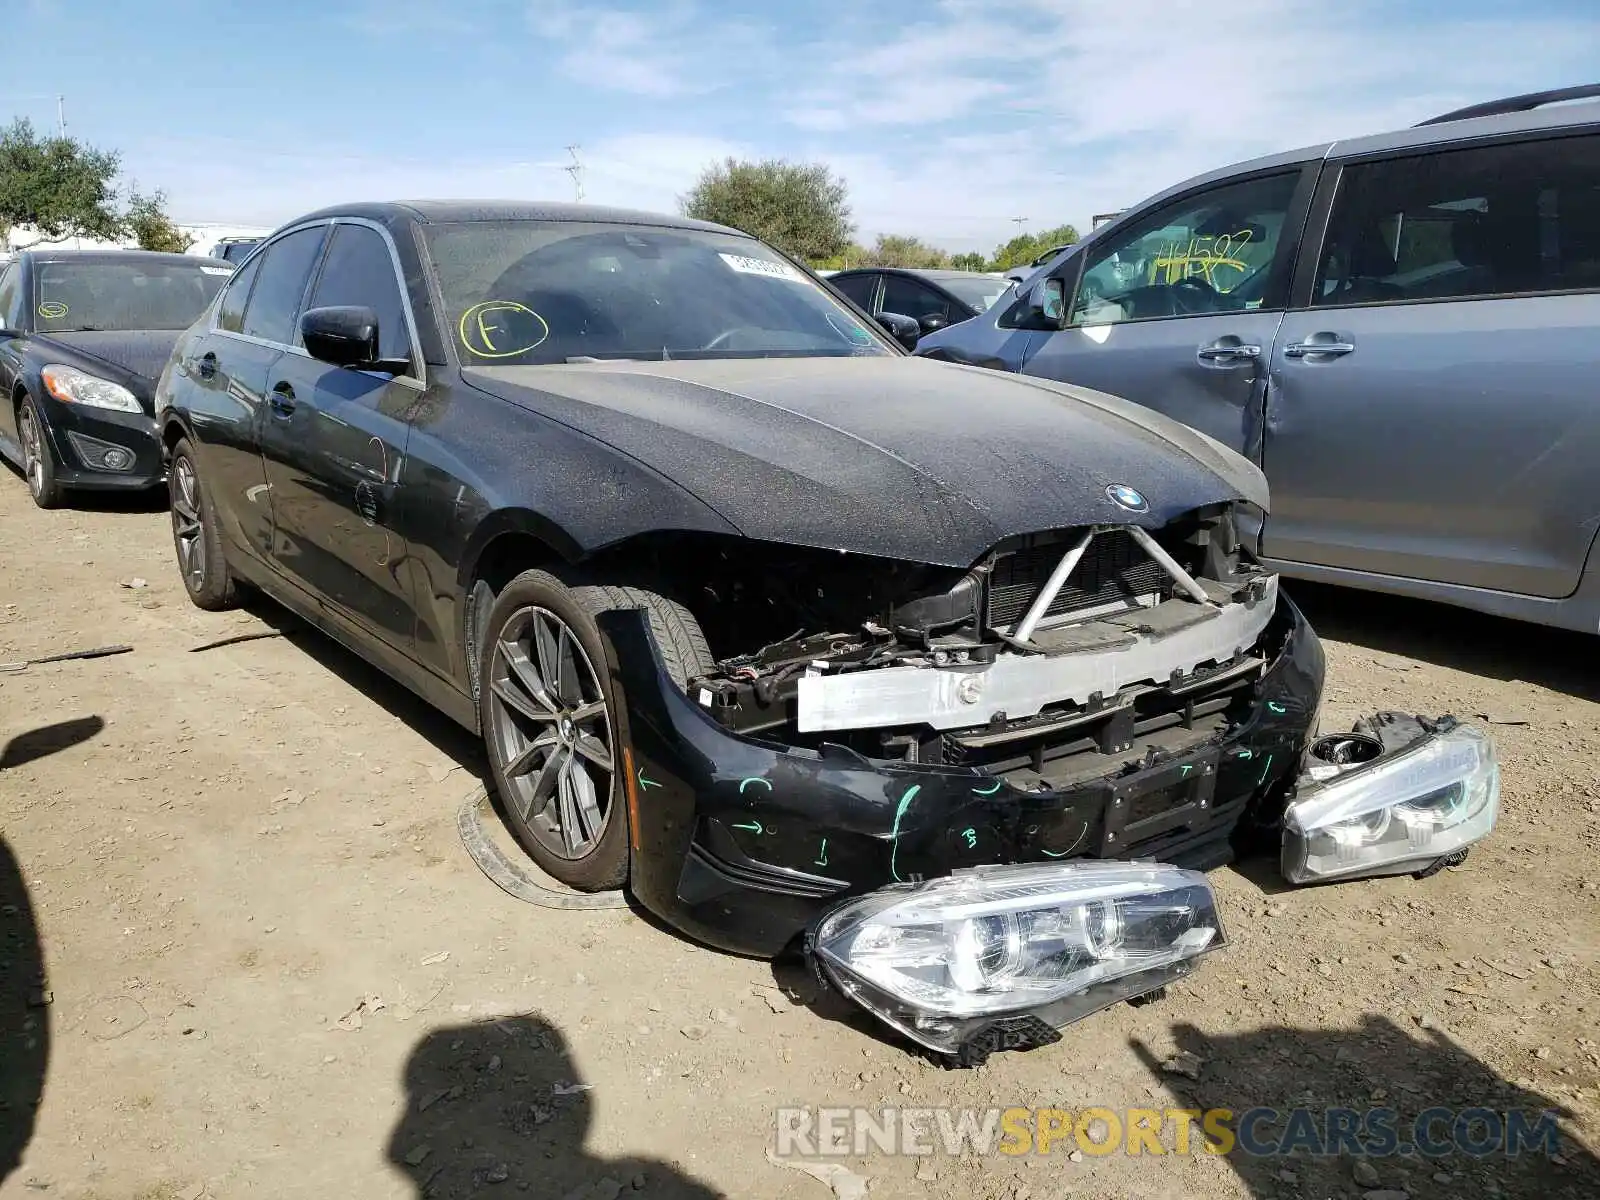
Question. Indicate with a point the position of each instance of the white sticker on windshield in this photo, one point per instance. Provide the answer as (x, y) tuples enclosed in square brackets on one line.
[(216, 270), (761, 266)]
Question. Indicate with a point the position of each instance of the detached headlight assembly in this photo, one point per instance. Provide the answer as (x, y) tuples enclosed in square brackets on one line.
[(72, 386), (1001, 957), (1395, 815)]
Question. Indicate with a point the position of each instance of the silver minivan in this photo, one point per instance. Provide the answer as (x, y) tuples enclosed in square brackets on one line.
[(1403, 331)]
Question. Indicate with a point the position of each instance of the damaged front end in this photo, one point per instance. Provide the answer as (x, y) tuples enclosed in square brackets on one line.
[(1095, 693), (911, 770)]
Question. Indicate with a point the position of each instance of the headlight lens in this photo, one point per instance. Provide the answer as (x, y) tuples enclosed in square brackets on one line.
[(72, 386), (943, 960), (1396, 815)]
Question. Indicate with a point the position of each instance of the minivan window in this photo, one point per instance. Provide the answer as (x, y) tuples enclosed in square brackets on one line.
[(1514, 219), (1207, 253), (281, 277), (859, 288)]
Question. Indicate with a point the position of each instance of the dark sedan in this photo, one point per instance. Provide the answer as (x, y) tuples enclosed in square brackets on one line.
[(756, 613), (933, 299), (83, 337)]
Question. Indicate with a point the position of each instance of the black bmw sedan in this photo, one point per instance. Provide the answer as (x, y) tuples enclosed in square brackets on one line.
[(755, 611), (83, 336)]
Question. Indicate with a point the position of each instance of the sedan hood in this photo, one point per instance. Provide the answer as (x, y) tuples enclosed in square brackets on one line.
[(897, 457), (142, 353)]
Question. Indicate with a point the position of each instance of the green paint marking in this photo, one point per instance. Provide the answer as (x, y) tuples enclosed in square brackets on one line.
[(998, 784), (1186, 770), (1247, 753), (646, 783), (1264, 771), (1054, 853), (753, 827), (744, 783), (894, 834), (823, 861), (970, 836), (1276, 707)]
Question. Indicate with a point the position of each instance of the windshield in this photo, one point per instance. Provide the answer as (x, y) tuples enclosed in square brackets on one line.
[(159, 294), (980, 292), (534, 292)]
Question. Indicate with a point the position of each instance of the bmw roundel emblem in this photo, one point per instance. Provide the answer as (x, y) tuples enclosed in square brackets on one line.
[(1126, 497)]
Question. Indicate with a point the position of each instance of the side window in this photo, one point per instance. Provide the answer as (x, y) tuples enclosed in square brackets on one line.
[(859, 288), (231, 315), (360, 270), (281, 275), (910, 299), (1504, 220), (10, 286), (1208, 253)]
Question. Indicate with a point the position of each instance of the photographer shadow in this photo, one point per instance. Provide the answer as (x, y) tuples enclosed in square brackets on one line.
[(500, 1102), (24, 1025), (1379, 1066)]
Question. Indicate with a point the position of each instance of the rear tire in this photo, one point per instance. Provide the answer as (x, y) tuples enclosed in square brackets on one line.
[(37, 465), (202, 562), (549, 710)]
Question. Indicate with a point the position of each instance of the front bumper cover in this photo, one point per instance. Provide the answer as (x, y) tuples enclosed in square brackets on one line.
[(744, 844)]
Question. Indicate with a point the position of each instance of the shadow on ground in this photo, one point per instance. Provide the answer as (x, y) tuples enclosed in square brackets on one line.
[(1558, 659), (500, 1102), (24, 1025), (404, 705), (1379, 1066)]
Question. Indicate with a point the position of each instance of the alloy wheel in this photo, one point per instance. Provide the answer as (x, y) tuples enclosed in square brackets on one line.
[(32, 451), (552, 732), (187, 532)]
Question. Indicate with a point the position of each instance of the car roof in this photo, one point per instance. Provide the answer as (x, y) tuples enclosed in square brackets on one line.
[(933, 273), (119, 256), (430, 212), (1550, 117)]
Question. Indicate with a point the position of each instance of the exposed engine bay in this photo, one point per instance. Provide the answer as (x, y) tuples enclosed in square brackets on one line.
[(1043, 662)]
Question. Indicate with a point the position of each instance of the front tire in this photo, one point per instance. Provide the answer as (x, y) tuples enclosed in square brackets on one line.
[(550, 713), (196, 537), (37, 465)]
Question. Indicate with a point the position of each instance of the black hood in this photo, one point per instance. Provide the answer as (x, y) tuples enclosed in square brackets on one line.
[(141, 354), (898, 457)]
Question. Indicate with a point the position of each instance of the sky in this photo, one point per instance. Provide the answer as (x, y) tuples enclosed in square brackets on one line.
[(948, 119)]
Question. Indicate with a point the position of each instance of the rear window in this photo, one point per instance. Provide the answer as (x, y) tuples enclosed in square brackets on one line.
[(108, 295)]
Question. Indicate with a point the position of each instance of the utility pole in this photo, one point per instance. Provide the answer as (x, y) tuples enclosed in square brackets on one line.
[(61, 115), (1019, 222), (575, 169)]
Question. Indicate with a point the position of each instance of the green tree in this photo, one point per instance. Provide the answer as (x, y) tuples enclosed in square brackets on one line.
[(801, 208), (59, 187), (971, 261), (147, 220), (901, 250), (1024, 248)]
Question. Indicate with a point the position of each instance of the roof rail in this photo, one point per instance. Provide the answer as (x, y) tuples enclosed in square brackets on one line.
[(1516, 104)]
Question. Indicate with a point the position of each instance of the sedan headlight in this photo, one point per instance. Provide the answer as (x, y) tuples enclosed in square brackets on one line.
[(72, 386), (1395, 815), (1002, 956)]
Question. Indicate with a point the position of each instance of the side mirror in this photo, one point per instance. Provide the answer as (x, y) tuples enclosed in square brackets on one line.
[(931, 321), (345, 335), (1048, 299), (902, 328)]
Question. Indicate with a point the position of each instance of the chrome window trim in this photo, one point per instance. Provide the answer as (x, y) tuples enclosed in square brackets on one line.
[(418, 380)]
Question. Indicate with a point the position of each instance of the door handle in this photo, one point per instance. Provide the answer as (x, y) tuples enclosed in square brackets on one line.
[(282, 401), (1331, 347), (208, 365), (1221, 351)]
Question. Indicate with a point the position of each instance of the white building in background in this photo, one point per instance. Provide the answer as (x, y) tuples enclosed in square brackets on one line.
[(205, 237)]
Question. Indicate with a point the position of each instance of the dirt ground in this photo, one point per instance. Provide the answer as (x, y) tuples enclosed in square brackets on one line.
[(270, 969)]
